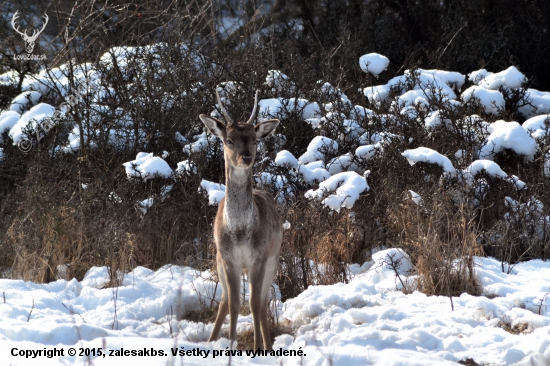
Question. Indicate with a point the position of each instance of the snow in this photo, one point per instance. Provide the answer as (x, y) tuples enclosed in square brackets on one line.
[(317, 148), (186, 167), (74, 140), (286, 158), (8, 119), (310, 173), (540, 103), (373, 63), (367, 152), (508, 135), (427, 155), (416, 198), (215, 191), (535, 126), (478, 76), (347, 187), (147, 166), (451, 78), (30, 119), (21, 102), (366, 321), (511, 78), (278, 81), (428, 84), (279, 108), (342, 163), (478, 166), (433, 119), (492, 101)]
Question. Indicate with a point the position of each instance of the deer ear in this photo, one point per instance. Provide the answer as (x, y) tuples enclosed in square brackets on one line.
[(264, 129), (214, 125)]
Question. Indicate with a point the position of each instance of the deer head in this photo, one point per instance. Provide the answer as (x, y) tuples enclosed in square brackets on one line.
[(239, 139), (29, 40)]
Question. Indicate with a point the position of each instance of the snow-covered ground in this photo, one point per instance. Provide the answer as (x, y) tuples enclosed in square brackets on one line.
[(367, 321)]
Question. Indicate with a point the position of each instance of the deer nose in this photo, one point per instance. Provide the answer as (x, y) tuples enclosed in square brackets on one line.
[(247, 159)]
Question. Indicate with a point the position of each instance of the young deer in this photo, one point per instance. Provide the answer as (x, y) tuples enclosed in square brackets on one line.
[(247, 229)]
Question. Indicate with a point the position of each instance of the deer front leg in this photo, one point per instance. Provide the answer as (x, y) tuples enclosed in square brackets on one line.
[(233, 277), (257, 304), (224, 303)]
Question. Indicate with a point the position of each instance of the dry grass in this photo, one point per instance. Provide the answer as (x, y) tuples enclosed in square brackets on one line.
[(442, 242)]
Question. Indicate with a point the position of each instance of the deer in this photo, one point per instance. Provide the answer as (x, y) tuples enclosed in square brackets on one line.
[(247, 229), (29, 40)]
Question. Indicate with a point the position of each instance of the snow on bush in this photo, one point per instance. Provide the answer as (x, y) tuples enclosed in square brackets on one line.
[(317, 149), (310, 173), (8, 119), (492, 101), (215, 191), (427, 83), (147, 166), (508, 135), (30, 119), (374, 63), (21, 102), (511, 78), (539, 103), (528, 214), (279, 108), (478, 166), (427, 155), (536, 126), (347, 187), (186, 167), (278, 81)]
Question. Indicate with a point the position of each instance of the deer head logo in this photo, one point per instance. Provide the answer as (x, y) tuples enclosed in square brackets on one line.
[(29, 40)]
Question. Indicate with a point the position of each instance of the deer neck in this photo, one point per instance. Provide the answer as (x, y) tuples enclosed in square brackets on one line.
[(239, 203)]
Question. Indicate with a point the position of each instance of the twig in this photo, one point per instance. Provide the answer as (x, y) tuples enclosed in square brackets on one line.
[(542, 301), (451, 41), (73, 312), (30, 312)]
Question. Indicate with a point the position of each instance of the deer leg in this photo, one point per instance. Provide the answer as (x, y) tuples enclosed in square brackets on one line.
[(224, 303), (222, 312), (233, 277), (269, 272), (257, 302)]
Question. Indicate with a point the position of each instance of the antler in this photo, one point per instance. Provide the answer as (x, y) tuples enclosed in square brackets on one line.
[(253, 115), (35, 33), (46, 18), (13, 19), (220, 104)]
